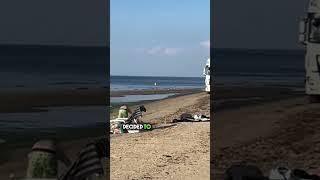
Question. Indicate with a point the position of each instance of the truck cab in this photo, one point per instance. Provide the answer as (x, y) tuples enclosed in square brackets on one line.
[(310, 37)]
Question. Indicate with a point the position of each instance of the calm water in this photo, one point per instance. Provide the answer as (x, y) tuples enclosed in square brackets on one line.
[(54, 117), (259, 67), (53, 67), (74, 68), (24, 67), (137, 98), (41, 67), (68, 67), (141, 82), (37, 125)]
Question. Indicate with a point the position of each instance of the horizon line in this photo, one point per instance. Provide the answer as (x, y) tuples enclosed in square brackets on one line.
[(155, 76), (108, 45), (243, 48), (52, 45)]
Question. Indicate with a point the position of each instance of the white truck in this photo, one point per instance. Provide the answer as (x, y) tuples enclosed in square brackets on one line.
[(206, 74), (310, 37)]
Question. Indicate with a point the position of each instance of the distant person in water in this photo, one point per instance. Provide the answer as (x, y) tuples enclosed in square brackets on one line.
[(155, 85), (124, 112), (43, 160)]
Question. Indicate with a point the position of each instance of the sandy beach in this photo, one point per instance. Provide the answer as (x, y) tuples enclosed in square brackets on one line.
[(264, 133), (160, 111), (178, 152), (258, 125)]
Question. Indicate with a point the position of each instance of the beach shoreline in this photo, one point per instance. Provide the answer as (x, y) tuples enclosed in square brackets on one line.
[(11, 160), (153, 91), (236, 131), (33, 100)]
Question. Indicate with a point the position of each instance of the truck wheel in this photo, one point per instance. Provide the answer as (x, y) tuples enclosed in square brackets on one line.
[(314, 98)]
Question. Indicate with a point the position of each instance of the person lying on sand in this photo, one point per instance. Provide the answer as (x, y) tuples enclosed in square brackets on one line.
[(43, 160)]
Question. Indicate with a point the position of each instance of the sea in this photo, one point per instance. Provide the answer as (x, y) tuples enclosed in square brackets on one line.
[(24, 67), (41, 67), (272, 68), (44, 68), (53, 67), (148, 82)]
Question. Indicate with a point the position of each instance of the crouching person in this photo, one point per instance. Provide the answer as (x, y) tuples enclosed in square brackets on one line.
[(124, 112), (43, 160)]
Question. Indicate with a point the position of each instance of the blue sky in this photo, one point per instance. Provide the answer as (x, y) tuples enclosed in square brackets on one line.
[(159, 37)]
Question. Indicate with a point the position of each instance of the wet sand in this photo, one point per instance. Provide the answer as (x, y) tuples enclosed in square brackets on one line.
[(29, 100), (153, 91)]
